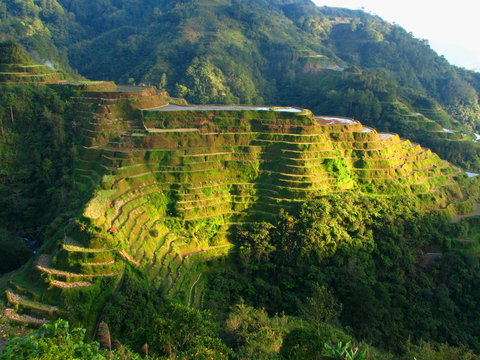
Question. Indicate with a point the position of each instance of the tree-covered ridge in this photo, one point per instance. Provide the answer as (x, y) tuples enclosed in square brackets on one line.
[(43, 27), (13, 53)]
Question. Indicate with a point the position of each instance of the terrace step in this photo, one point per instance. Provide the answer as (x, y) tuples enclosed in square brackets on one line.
[(44, 266), (12, 315), (74, 246), (105, 263), (16, 299), (70, 285)]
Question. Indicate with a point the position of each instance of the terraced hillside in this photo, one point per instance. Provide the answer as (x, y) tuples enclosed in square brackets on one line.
[(17, 67), (20, 73), (167, 182)]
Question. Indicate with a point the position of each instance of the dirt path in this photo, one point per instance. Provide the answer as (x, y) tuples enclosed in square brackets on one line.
[(473, 213), (192, 289)]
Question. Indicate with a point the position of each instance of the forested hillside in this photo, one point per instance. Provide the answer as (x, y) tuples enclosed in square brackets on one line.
[(331, 60), (298, 226), (213, 220)]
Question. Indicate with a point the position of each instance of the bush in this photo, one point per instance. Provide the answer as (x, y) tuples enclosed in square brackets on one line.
[(58, 342)]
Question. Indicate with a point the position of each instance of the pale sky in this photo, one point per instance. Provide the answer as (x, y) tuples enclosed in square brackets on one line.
[(451, 27)]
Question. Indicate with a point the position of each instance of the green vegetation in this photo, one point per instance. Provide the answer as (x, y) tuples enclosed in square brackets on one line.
[(12, 53), (58, 342), (36, 164), (140, 314), (234, 233), (390, 290), (160, 190), (333, 61)]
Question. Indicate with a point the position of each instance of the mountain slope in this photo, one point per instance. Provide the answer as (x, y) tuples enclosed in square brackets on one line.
[(142, 201), (274, 52), (162, 187)]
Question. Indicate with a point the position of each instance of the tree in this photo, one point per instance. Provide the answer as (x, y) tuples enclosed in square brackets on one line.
[(162, 85), (322, 307), (255, 242), (206, 83), (182, 331), (256, 335)]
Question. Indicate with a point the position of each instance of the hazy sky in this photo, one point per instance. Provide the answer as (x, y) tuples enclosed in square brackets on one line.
[(451, 27)]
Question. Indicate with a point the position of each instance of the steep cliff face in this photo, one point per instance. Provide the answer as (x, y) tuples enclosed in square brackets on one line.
[(165, 183)]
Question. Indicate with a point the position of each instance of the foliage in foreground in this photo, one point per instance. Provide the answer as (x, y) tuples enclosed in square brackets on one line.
[(58, 341)]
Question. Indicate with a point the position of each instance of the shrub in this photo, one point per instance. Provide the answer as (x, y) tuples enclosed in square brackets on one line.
[(57, 341)]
